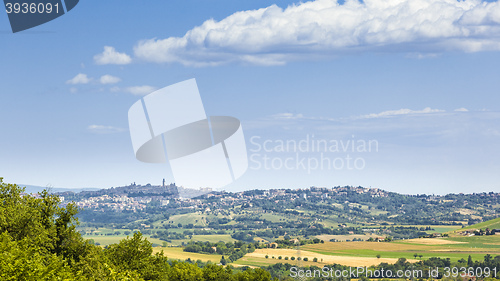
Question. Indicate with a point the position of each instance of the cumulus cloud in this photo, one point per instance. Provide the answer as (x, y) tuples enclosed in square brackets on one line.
[(111, 56), (80, 78), (403, 111), (109, 79), (462, 109), (140, 90), (274, 35), (101, 129)]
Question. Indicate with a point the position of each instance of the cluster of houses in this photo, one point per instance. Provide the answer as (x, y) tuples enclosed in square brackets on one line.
[(116, 203), (121, 199)]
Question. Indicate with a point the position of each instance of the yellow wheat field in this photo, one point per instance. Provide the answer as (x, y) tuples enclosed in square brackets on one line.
[(322, 259), (433, 241)]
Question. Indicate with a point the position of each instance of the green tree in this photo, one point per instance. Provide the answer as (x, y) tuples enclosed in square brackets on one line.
[(181, 271), (38, 241), (212, 272), (135, 254), (223, 261), (470, 263)]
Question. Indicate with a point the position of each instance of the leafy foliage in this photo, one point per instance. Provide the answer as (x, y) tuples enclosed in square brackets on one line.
[(38, 241)]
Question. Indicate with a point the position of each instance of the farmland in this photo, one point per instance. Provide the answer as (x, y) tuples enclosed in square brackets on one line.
[(105, 240), (177, 253), (365, 253), (345, 226), (359, 253)]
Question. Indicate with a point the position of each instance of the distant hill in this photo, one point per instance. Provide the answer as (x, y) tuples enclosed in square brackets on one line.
[(36, 189)]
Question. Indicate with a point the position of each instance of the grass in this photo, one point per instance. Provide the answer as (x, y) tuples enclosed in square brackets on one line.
[(113, 239), (178, 254), (275, 218), (205, 238), (443, 228), (488, 241), (184, 219), (491, 224), (105, 240), (327, 237)]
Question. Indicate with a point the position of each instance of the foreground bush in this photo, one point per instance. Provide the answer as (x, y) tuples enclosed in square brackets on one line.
[(38, 241)]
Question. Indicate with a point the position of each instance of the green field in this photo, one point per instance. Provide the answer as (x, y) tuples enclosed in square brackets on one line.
[(327, 237), (205, 238), (104, 240), (276, 217), (113, 239), (491, 224), (443, 228), (454, 248), (184, 219), (363, 253), (178, 254)]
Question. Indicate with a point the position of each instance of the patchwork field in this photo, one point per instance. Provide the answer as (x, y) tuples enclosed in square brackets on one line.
[(347, 253), (365, 253)]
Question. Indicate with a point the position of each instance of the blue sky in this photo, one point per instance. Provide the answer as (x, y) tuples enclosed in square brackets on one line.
[(419, 77)]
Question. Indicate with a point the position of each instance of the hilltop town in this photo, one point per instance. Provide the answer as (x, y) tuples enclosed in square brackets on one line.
[(136, 197), (269, 213)]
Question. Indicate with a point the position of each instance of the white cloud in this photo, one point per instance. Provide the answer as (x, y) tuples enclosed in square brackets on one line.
[(79, 79), (403, 111), (100, 129), (461, 109), (319, 28), (111, 56), (287, 116), (73, 90), (108, 79), (140, 90)]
